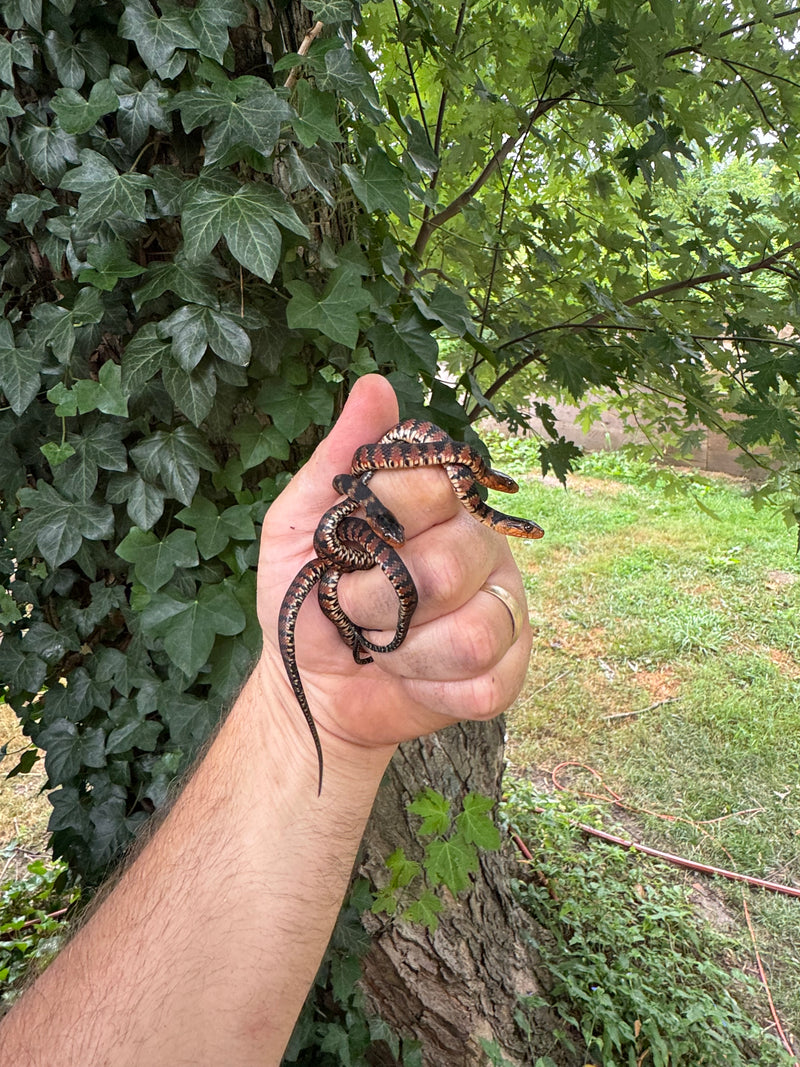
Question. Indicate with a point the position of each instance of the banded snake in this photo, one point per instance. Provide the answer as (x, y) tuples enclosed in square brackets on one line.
[(344, 543)]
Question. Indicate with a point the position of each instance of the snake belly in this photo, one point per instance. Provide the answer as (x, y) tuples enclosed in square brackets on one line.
[(344, 543)]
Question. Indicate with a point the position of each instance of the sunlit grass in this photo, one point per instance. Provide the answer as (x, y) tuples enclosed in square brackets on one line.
[(667, 657)]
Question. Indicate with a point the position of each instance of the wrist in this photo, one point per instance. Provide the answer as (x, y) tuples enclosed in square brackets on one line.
[(269, 714)]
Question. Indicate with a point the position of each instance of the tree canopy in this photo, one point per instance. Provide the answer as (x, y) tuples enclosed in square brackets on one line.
[(217, 214)]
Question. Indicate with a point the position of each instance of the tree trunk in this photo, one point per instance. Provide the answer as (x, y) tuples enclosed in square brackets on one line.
[(465, 981)]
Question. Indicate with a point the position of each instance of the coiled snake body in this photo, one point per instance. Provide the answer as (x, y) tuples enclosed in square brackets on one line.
[(344, 543)]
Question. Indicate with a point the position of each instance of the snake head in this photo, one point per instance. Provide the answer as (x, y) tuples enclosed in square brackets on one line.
[(384, 523)]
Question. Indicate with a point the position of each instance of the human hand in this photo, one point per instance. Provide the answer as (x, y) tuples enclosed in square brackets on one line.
[(458, 661)]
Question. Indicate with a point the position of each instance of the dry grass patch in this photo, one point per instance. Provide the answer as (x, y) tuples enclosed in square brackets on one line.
[(24, 809)]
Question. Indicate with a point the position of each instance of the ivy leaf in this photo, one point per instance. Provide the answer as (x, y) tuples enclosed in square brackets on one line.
[(191, 282), (380, 186), (189, 630), (156, 36), (210, 20), (145, 500), (188, 719), (135, 733), (78, 115), (28, 208), (317, 115), (246, 216), (155, 561), (240, 112), (446, 307), (215, 530), (193, 391), (110, 262), (335, 313), (450, 862), (105, 394), (174, 456), (47, 150), (57, 525), (292, 410), (68, 750), (258, 442), (139, 111), (16, 51), (104, 191), (475, 824), (19, 370), (330, 11), (143, 357), (194, 328)]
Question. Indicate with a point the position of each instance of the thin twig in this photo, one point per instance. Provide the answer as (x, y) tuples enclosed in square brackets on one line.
[(640, 711), (308, 40)]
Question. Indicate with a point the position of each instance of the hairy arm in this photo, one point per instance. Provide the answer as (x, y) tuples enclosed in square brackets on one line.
[(205, 949)]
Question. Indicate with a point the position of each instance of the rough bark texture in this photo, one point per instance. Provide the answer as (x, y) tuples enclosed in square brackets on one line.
[(464, 982)]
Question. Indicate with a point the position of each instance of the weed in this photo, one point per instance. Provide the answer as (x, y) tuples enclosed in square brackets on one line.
[(634, 970)]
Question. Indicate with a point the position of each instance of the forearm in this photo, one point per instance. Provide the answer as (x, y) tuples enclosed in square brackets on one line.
[(205, 950)]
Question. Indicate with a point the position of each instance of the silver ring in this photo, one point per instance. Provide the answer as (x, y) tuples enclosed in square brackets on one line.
[(511, 605)]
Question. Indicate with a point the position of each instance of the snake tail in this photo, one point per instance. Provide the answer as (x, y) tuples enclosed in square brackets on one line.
[(304, 582)]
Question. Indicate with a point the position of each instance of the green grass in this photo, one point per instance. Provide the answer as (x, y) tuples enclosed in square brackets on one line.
[(643, 601)]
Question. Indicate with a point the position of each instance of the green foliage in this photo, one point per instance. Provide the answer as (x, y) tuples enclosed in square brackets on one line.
[(30, 931), (207, 236), (449, 858), (634, 970)]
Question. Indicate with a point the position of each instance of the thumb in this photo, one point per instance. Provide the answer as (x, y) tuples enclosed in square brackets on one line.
[(370, 410)]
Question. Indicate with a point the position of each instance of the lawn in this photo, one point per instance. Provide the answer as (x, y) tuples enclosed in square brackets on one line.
[(667, 659)]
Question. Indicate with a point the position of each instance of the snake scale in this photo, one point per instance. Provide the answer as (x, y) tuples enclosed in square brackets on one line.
[(345, 543)]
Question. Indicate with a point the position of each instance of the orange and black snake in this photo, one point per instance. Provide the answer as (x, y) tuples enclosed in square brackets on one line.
[(344, 543)]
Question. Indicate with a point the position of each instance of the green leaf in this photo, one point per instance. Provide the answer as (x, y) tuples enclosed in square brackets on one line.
[(475, 824), (78, 115), (258, 442), (450, 862), (175, 457), (317, 115), (28, 208), (193, 391), (189, 629), (47, 150), (104, 191), (191, 282), (19, 370), (137, 733), (380, 186), (215, 530), (14, 51), (155, 561), (292, 410), (58, 525), (242, 112), (157, 36), (68, 750), (194, 328), (140, 110), (335, 313), (210, 20), (143, 357), (246, 216), (330, 11), (145, 500), (435, 812), (344, 976), (425, 911), (106, 394)]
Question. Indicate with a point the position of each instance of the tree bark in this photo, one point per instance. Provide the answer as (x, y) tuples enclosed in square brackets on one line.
[(465, 981)]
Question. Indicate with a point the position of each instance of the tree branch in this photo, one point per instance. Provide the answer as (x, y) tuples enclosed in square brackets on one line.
[(460, 202), (651, 294)]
